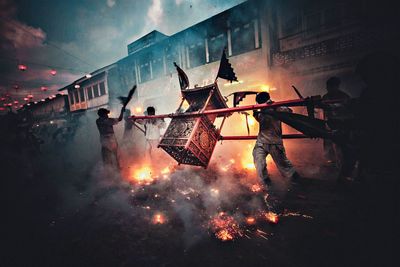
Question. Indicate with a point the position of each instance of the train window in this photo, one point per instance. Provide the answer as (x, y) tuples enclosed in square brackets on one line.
[(76, 96), (89, 92), (215, 46), (96, 90), (102, 89), (243, 38), (197, 54), (82, 94)]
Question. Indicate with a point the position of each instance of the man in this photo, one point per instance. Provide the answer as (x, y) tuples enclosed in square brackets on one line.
[(269, 141), (333, 112), (152, 131), (109, 145)]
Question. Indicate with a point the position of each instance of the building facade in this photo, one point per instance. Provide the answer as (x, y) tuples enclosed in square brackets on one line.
[(270, 44)]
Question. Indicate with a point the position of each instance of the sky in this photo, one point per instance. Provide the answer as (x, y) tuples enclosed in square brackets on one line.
[(76, 37)]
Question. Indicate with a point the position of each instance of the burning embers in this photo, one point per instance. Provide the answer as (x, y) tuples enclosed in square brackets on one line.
[(158, 218), (147, 174), (225, 227)]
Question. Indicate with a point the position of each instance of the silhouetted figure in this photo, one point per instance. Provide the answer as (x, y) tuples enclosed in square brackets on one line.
[(109, 145), (269, 141), (378, 125), (333, 111)]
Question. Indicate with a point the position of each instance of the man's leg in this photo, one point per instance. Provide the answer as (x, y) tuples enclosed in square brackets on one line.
[(284, 165), (259, 157)]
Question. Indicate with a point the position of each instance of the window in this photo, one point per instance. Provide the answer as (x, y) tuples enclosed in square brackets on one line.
[(243, 38), (157, 66), (144, 68), (89, 92), (82, 94), (197, 54), (96, 90), (102, 89), (215, 46), (76, 96)]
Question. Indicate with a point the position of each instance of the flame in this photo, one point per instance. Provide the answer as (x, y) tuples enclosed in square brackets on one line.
[(138, 109), (225, 227), (272, 217), (166, 170), (256, 188), (247, 159), (142, 175), (250, 220), (224, 235), (158, 218)]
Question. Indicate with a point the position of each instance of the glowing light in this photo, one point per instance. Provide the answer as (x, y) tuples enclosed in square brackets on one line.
[(165, 170), (251, 121), (256, 188), (77, 86), (158, 218), (250, 220), (16, 102), (53, 72), (51, 122), (225, 227), (26, 98), (143, 175), (43, 88), (232, 161), (88, 75), (30, 96), (22, 67), (138, 109), (214, 191), (272, 217), (265, 88)]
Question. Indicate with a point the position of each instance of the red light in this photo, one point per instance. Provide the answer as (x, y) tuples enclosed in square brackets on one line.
[(16, 102), (43, 88), (26, 99), (22, 67), (30, 96), (53, 72)]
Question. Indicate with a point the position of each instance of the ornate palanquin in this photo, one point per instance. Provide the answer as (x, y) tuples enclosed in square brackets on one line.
[(191, 140)]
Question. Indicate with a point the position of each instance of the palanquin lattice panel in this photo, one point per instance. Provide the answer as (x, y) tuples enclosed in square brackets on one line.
[(190, 140)]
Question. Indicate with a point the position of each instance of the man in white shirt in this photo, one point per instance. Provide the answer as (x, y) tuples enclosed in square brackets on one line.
[(152, 131)]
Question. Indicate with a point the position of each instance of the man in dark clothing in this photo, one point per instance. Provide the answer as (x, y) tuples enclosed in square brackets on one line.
[(269, 141), (109, 145), (333, 112)]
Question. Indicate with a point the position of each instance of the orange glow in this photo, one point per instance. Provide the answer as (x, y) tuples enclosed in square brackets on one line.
[(165, 170), (251, 120), (256, 188), (142, 175), (272, 217), (224, 235), (138, 109), (247, 158), (250, 220), (225, 227), (158, 218)]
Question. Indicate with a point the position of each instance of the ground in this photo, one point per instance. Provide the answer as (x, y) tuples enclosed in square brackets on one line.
[(70, 218)]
